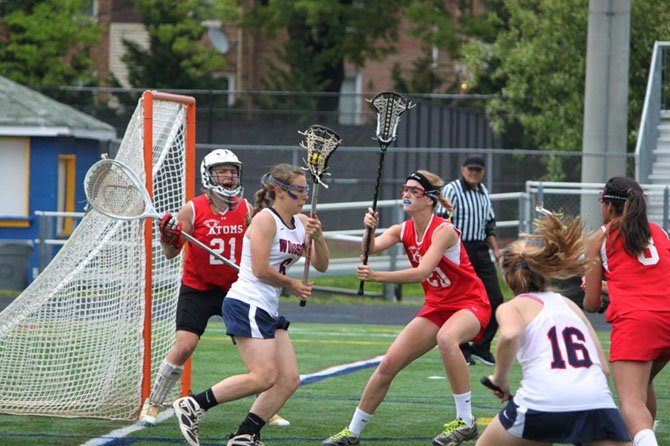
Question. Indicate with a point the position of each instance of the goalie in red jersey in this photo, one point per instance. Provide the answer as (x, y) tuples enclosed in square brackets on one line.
[(218, 218)]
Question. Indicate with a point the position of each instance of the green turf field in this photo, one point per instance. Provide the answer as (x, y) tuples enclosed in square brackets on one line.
[(418, 403)]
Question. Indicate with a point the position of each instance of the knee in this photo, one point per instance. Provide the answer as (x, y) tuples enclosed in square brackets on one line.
[(264, 379), (447, 342), (183, 350), (387, 369), (291, 382)]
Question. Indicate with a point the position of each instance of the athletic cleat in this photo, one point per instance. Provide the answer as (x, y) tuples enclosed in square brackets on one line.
[(149, 413), (343, 438), (244, 440), (455, 433), (484, 357), (279, 421), (188, 414)]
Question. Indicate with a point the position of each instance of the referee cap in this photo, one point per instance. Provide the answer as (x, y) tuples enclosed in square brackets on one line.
[(474, 161)]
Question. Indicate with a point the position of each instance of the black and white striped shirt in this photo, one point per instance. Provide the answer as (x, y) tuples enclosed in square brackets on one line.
[(473, 211)]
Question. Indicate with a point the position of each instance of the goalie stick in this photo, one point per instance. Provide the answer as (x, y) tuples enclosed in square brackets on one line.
[(114, 190), (320, 143), (389, 106)]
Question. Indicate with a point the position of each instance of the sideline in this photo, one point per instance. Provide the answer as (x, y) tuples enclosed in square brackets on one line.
[(311, 378)]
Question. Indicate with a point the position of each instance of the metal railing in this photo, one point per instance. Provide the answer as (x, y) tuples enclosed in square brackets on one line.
[(651, 113), (567, 198), (393, 259)]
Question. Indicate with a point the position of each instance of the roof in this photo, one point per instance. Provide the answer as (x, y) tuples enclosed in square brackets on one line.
[(25, 112)]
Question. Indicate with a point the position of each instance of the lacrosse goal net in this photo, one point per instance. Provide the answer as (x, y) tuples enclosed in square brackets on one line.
[(86, 337)]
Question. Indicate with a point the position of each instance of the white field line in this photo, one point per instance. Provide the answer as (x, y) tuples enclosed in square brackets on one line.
[(310, 378)]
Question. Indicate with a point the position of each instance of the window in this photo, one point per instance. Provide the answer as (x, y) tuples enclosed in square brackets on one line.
[(14, 177), (66, 175), (350, 99)]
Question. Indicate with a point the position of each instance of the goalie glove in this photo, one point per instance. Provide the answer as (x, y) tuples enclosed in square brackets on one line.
[(170, 229)]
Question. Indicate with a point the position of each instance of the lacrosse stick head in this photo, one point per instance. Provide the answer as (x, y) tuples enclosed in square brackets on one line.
[(114, 190), (320, 142), (388, 106)]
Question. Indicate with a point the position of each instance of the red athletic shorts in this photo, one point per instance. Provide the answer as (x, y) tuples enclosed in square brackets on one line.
[(641, 336), (439, 316)]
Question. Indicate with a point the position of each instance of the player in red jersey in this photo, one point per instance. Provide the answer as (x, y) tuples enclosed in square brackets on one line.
[(456, 309), (218, 218), (633, 256)]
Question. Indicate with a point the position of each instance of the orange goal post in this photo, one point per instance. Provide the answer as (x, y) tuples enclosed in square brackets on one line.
[(87, 336)]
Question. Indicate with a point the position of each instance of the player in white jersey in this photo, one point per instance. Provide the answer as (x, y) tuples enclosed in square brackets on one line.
[(563, 396), (274, 241)]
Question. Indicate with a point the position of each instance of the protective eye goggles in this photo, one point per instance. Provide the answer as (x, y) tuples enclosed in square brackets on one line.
[(293, 190), (414, 191), (297, 190)]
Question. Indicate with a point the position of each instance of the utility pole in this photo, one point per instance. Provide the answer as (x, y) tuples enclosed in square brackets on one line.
[(605, 98)]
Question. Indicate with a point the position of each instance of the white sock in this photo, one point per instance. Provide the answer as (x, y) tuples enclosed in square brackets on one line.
[(645, 437), (167, 377), (464, 408), (359, 421)]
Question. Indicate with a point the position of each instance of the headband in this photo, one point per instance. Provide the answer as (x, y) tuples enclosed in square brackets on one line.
[(431, 191), (610, 197)]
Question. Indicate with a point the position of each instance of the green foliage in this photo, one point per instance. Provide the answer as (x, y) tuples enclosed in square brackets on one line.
[(422, 78), (176, 57), (47, 43), (432, 23), (536, 65), (320, 36)]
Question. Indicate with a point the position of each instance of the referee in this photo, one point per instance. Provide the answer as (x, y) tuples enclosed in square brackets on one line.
[(474, 217)]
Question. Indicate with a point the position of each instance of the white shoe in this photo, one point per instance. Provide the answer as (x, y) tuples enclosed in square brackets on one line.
[(244, 440), (188, 414), (279, 421), (149, 413)]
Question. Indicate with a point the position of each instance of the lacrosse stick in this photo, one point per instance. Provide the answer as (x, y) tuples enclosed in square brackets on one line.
[(320, 142), (114, 190), (486, 381), (389, 106)]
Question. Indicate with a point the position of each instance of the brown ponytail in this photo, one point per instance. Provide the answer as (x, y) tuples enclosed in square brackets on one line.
[(528, 266), (630, 208)]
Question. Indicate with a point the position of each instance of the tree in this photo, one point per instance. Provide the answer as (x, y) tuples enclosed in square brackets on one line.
[(536, 65), (433, 24), (321, 35), (47, 43), (176, 57)]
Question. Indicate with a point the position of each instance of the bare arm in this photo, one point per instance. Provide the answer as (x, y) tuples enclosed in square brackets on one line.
[(594, 275), (320, 253), (383, 242), (511, 327), (443, 237), (492, 242)]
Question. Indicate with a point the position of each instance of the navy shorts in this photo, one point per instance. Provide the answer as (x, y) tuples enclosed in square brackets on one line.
[(195, 307), (563, 427), (243, 319)]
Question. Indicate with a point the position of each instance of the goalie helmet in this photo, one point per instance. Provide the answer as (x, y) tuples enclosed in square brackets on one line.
[(230, 195)]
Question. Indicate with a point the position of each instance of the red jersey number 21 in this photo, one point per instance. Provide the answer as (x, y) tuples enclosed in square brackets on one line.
[(218, 245)]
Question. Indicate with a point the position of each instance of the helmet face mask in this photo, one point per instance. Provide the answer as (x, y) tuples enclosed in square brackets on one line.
[(230, 195)]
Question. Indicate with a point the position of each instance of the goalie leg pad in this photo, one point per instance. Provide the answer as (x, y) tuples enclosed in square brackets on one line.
[(167, 377)]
